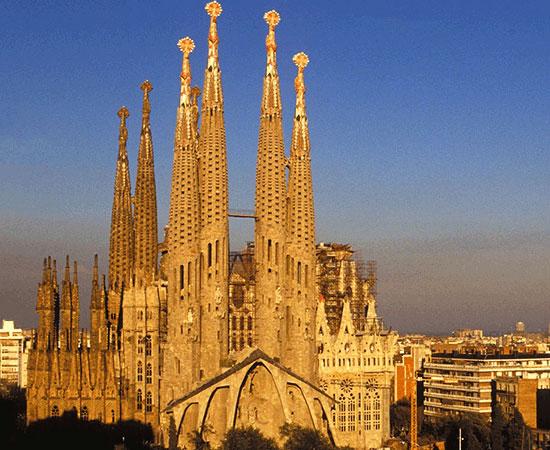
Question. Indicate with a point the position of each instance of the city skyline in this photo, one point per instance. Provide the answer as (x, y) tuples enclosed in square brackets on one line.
[(453, 210)]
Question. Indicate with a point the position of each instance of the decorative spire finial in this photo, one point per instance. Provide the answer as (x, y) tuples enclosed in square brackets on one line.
[(272, 18), (301, 60), (186, 45), (214, 10), (123, 131), (146, 87)]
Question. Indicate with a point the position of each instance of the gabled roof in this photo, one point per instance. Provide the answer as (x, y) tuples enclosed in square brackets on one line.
[(254, 355)]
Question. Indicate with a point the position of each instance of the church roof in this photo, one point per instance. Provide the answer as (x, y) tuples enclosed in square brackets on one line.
[(253, 356)]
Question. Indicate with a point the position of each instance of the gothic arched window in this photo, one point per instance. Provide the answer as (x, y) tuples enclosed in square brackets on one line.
[(55, 411), (148, 349), (149, 373), (139, 371), (139, 400), (376, 411), (149, 402), (367, 411), (250, 322), (351, 413), (241, 323), (342, 413), (84, 413)]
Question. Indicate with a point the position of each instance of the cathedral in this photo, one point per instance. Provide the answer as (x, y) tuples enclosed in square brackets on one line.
[(184, 334)]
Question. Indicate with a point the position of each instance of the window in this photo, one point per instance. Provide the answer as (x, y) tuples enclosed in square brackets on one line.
[(140, 315), (148, 349), (376, 412), (112, 415), (299, 273), (149, 374), (209, 255), (233, 323), (149, 402), (342, 413), (84, 413), (241, 323), (351, 413), (139, 400), (55, 411), (249, 322), (182, 277), (139, 371)]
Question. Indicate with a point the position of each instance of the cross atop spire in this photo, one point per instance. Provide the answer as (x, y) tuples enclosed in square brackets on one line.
[(214, 10), (272, 18)]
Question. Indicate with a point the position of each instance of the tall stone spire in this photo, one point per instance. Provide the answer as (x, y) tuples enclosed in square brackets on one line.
[(301, 235), (214, 243), (145, 203), (183, 240), (66, 308), (270, 205), (121, 250), (45, 306)]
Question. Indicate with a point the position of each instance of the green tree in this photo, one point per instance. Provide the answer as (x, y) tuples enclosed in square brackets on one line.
[(400, 418), (247, 439), (517, 435), (172, 434), (498, 424), (300, 438)]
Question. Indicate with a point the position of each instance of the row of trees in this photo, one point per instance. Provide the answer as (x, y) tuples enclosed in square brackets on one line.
[(294, 437), (478, 433)]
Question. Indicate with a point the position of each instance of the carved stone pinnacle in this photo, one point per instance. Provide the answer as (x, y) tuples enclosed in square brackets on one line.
[(272, 18), (186, 45), (123, 113), (214, 9), (146, 86), (301, 60)]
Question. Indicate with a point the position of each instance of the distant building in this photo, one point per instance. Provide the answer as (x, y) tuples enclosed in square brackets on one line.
[(460, 383), (520, 328), (14, 345), (469, 333), (407, 365)]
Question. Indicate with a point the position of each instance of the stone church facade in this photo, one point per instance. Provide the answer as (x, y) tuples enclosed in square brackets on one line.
[(185, 335)]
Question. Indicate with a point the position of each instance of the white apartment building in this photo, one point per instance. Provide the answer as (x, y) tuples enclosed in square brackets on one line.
[(455, 383), (13, 355)]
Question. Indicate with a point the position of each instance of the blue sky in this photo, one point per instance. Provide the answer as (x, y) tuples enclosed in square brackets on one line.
[(430, 125)]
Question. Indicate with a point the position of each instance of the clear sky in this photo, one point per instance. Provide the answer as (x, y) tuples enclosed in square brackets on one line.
[(430, 131)]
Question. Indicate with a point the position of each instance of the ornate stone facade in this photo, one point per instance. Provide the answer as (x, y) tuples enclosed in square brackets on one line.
[(356, 369), (162, 341)]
